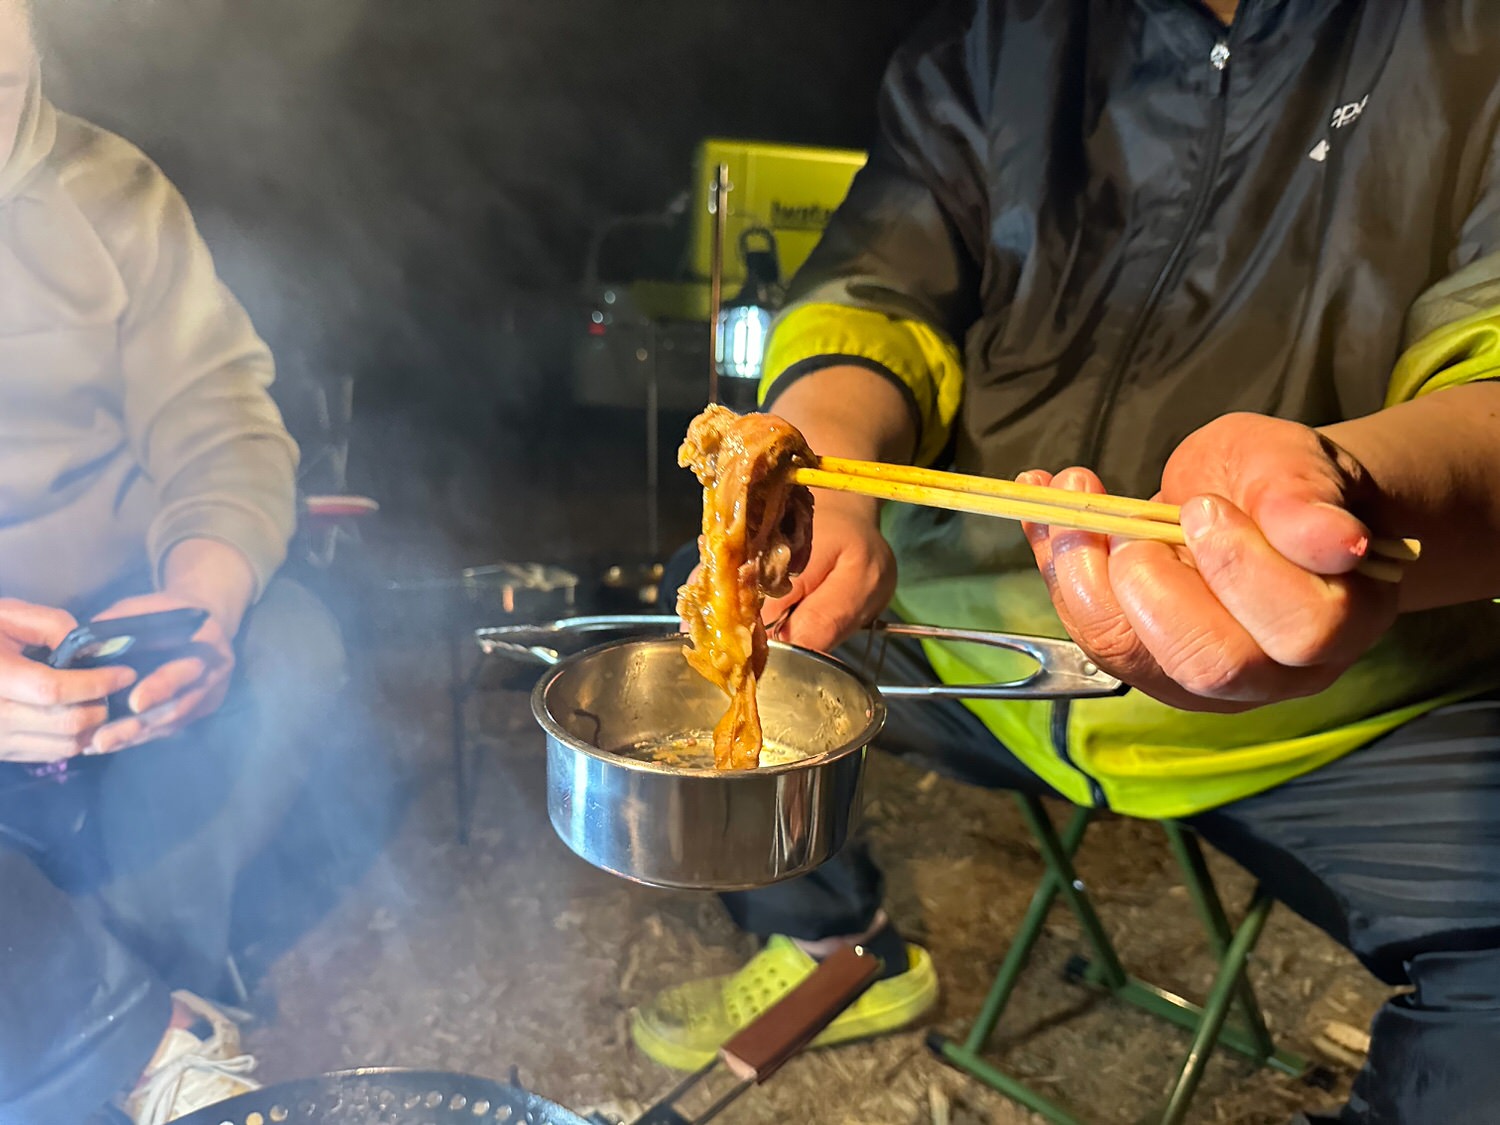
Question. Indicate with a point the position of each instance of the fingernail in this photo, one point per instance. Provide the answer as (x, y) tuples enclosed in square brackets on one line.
[(1198, 516), (95, 748), (1360, 547)]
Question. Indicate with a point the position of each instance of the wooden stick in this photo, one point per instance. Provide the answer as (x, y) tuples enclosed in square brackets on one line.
[(1032, 511), (1029, 510), (1397, 550), (1008, 489), (1382, 570)]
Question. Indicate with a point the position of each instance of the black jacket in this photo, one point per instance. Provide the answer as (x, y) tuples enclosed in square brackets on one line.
[(1132, 220)]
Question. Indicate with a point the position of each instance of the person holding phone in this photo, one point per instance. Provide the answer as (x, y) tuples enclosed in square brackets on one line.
[(144, 471)]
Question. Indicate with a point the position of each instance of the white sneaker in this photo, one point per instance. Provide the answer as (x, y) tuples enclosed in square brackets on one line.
[(189, 1073)]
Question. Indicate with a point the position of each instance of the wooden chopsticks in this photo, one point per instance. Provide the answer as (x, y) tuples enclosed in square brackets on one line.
[(1110, 515)]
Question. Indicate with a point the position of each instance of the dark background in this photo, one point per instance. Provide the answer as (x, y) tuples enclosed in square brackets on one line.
[(404, 190)]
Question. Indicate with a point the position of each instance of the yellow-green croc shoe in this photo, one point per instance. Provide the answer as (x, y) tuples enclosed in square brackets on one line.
[(684, 1027)]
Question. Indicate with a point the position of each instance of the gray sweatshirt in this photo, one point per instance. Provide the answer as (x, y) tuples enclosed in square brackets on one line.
[(134, 411)]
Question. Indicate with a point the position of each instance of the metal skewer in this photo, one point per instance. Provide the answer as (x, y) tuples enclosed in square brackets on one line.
[(719, 209)]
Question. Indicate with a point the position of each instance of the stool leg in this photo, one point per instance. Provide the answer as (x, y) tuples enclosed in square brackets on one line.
[(1216, 1009), (1060, 865), (461, 688), (967, 1056), (1200, 886), (1026, 936)]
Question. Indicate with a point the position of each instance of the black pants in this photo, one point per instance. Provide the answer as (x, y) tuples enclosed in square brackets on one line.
[(1394, 850), (116, 884)]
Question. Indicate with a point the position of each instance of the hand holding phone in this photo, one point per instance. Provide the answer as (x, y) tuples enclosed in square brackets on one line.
[(179, 682), (144, 642), (47, 714)]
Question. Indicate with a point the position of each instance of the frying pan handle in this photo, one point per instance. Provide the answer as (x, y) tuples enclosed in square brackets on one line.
[(1063, 670), (790, 1024), (529, 642), (795, 1020)]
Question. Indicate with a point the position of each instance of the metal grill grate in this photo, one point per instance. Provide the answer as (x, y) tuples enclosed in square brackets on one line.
[(388, 1097)]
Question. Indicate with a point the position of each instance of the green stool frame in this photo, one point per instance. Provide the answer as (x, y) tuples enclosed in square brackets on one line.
[(1210, 1024)]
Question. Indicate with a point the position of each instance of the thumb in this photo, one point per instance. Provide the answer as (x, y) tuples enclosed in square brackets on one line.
[(820, 622), (822, 610), (839, 604), (1305, 522)]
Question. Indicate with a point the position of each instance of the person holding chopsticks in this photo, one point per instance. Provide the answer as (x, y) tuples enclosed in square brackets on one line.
[(1243, 258)]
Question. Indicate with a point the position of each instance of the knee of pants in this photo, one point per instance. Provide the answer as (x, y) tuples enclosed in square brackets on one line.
[(287, 699), (1456, 982), (1433, 1050), (290, 648)]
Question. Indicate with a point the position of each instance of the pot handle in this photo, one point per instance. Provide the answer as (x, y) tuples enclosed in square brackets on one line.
[(528, 642), (1063, 670)]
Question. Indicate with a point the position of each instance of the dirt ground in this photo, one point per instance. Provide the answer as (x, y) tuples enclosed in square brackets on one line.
[(512, 952)]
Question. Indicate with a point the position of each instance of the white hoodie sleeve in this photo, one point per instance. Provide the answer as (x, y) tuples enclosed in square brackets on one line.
[(195, 375)]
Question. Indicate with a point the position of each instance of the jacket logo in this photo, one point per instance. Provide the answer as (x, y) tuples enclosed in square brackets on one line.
[(1349, 114), (1343, 117)]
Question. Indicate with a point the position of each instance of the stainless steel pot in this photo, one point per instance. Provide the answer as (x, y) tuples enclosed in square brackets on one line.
[(708, 829)]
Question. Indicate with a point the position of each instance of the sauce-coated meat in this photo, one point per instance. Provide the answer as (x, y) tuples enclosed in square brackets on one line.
[(757, 534)]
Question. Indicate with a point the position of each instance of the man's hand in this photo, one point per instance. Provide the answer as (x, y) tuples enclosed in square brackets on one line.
[(47, 715), (1261, 605), (198, 574), (178, 693), (849, 579)]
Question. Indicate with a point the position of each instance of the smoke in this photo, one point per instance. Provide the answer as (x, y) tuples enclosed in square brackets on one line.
[(404, 192), (401, 193)]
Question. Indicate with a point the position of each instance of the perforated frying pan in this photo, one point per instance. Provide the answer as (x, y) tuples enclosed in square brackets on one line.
[(391, 1096), (388, 1096)]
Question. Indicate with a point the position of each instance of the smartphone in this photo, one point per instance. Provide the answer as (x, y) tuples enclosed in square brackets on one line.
[(144, 643), (149, 640)]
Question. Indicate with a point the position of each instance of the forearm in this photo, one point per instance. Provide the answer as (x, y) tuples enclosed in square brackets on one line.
[(196, 403), (213, 575), (850, 412), (241, 490), (1433, 472)]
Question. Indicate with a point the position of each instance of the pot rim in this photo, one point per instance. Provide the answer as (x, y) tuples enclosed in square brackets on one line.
[(543, 715)]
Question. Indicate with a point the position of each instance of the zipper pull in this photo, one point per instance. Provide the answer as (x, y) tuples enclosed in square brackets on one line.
[(1219, 59)]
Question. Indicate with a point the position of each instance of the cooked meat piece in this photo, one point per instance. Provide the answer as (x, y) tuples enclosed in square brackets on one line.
[(757, 534)]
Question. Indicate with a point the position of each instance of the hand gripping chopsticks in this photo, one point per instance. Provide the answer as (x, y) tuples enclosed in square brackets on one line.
[(1083, 511)]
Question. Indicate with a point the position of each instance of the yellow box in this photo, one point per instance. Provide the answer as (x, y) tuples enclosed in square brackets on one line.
[(672, 300), (791, 190)]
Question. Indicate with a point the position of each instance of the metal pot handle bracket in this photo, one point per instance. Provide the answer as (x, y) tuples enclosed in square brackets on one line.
[(528, 642), (1063, 670)]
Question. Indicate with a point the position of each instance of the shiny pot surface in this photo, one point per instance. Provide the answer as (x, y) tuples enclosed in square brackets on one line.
[(702, 828)]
